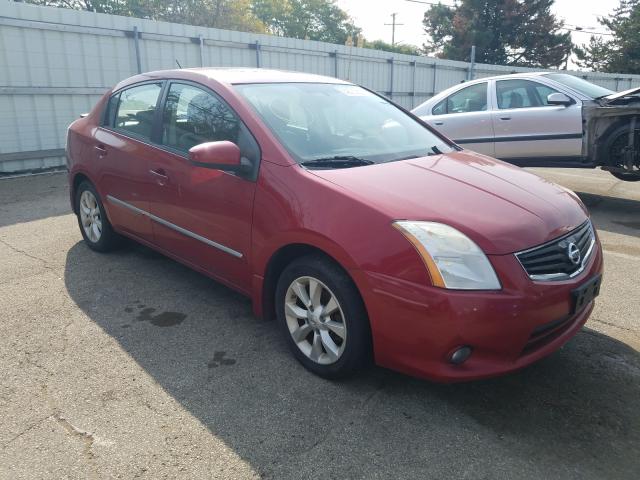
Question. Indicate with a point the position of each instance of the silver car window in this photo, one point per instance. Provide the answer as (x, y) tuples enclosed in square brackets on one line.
[(522, 94), (469, 99)]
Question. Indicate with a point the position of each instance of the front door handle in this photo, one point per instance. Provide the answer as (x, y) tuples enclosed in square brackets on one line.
[(505, 118), (102, 151), (438, 123), (161, 175)]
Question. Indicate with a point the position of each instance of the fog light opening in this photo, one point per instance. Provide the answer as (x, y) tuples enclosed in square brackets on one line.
[(460, 355)]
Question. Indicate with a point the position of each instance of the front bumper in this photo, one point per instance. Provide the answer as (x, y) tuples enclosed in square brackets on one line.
[(415, 327)]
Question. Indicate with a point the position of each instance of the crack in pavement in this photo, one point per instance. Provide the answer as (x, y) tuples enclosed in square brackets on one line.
[(25, 431), (27, 254), (597, 320)]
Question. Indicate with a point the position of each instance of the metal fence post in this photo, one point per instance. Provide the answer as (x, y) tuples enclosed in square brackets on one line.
[(472, 65), (258, 53), (435, 78), (390, 61), (413, 83), (201, 43), (136, 43), (335, 63)]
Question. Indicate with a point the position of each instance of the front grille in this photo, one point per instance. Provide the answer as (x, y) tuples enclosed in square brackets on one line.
[(562, 258)]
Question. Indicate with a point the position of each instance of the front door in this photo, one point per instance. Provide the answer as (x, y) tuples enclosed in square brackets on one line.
[(202, 215), (530, 129)]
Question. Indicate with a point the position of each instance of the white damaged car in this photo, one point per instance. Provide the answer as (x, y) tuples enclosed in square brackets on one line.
[(543, 119)]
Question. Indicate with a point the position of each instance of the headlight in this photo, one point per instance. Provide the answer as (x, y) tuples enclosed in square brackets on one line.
[(453, 260)]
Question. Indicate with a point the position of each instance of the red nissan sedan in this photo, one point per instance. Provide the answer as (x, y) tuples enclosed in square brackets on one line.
[(365, 233)]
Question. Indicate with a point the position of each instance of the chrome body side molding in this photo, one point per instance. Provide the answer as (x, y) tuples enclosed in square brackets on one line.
[(175, 227)]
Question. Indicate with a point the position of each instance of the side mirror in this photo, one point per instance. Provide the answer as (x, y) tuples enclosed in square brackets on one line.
[(559, 99), (223, 155)]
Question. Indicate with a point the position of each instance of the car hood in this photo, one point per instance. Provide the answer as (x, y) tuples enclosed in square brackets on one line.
[(502, 208), (621, 96)]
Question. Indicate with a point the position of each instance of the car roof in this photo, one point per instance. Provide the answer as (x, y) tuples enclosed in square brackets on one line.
[(233, 76)]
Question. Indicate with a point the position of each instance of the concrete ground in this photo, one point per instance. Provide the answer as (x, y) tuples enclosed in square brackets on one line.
[(129, 365)]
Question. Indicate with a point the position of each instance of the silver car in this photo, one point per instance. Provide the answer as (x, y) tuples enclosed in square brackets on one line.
[(542, 119)]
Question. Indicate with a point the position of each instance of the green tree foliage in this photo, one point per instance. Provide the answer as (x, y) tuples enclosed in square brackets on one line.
[(320, 20), (397, 48), (228, 14), (505, 32), (620, 54)]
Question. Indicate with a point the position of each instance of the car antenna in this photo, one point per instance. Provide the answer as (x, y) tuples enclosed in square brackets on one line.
[(179, 66)]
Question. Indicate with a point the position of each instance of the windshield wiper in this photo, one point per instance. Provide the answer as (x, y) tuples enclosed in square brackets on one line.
[(337, 161)]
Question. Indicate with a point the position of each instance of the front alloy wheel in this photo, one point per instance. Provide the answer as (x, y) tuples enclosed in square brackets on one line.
[(322, 316), (315, 320)]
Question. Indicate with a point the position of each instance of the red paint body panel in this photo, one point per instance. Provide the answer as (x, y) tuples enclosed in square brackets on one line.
[(347, 213)]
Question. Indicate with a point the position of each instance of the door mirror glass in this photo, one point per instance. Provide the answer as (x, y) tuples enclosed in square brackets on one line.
[(222, 155), (558, 99)]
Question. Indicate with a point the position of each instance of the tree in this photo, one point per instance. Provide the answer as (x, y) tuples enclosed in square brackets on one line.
[(621, 54), (320, 20), (397, 48), (505, 32), (228, 14)]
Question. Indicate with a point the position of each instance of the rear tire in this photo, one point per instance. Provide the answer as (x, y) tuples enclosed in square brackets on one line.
[(94, 225), (322, 316)]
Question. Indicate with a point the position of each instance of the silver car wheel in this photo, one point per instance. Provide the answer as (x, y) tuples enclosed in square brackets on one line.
[(315, 320), (90, 216)]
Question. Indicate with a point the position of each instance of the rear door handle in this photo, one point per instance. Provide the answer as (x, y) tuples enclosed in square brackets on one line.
[(102, 151), (438, 123), (505, 118)]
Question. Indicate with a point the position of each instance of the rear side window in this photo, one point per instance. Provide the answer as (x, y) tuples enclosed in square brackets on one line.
[(135, 109), (522, 94), (469, 99)]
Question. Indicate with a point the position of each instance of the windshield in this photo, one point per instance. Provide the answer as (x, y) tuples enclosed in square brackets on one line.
[(578, 84), (341, 123)]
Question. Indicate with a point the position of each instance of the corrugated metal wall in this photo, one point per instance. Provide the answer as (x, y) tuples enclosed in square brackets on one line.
[(55, 63)]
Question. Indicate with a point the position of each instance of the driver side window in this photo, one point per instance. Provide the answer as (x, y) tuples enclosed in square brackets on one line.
[(522, 94)]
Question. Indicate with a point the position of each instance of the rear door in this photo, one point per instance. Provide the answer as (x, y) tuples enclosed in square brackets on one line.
[(201, 215), (530, 130), (122, 153), (465, 117)]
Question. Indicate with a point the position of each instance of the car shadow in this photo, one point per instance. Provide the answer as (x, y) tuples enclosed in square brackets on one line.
[(572, 415), (613, 214)]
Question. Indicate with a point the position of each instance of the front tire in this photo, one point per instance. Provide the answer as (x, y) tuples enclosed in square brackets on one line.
[(323, 318), (615, 150), (94, 225)]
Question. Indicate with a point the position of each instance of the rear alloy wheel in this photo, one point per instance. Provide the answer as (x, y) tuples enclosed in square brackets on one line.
[(94, 225), (90, 216), (323, 318)]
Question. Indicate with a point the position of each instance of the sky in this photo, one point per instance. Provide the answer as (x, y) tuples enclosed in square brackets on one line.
[(371, 16)]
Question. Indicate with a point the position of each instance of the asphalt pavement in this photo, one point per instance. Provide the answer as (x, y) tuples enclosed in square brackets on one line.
[(130, 365)]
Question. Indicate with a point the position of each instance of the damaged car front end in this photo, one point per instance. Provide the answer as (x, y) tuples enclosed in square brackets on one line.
[(612, 133)]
